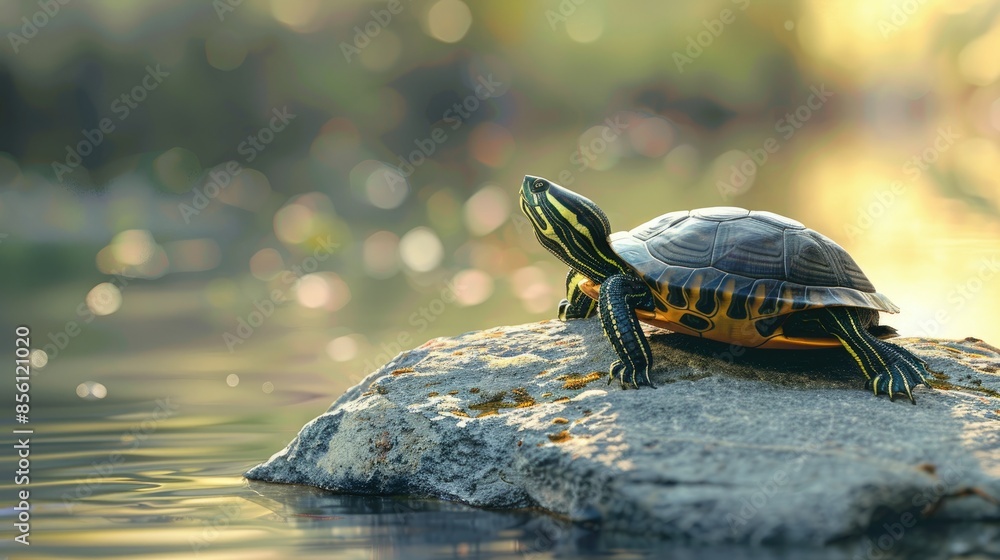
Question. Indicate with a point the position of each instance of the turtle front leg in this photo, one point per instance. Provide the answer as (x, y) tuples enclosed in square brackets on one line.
[(620, 295), (577, 304), (888, 368)]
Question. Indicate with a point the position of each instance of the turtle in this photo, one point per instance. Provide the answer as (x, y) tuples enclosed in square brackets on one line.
[(747, 277)]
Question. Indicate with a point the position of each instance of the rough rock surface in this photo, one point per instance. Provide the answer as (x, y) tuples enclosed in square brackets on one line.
[(733, 445)]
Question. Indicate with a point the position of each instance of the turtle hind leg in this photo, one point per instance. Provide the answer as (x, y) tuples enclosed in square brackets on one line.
[(884, 332), (577, 304), (620, 295), (888, 368)]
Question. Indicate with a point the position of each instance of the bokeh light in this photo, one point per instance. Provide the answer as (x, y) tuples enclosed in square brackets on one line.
[(472, 287), (386, 189), (312, 291), (682, 162), (487, 210), (733, 173), (38, 358), (491, 144), (325, 290), (384, 186), (342, 348), (449, 20), (586, 24), (266, 263), (531, 286), (91, 391), (249, 190), (133, 247), (299, 15), (104, 299), (380, 252), (293, 223), (421, 249), (305, 218), (651, 137)]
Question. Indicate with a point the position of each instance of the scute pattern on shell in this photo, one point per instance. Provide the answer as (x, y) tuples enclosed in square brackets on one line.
[(765, 263), (754, 244)]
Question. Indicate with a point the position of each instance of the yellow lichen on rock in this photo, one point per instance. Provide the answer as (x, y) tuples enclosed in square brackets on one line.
[(578, 381), (560, 437)]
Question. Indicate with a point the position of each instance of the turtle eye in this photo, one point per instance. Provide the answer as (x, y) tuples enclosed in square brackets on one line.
[(538, 186)]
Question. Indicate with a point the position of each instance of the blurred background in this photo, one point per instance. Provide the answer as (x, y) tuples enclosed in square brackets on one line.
[(250, 205)]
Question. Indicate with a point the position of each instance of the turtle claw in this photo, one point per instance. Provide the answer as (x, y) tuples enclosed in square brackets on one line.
[(628, 377), (899, 377), (563, 307)]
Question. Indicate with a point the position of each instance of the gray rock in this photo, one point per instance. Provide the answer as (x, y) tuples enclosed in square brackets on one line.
[(734, 445)]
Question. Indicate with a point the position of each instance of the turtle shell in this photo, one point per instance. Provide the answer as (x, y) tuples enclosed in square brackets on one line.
[(718, 272)]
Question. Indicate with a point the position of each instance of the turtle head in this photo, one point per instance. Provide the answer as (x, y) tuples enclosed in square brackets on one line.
[(571, 227)]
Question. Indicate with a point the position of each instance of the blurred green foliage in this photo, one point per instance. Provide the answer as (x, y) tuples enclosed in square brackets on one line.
[(409, 124)]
